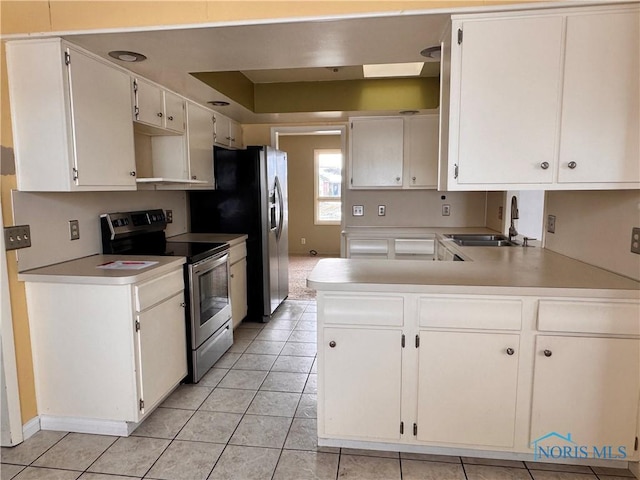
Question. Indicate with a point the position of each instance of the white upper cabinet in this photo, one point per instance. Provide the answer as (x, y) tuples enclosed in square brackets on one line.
[(71, 119), (421, 151), (228, 133), (600, 128), (156, 107), (542, 101), (200, 131)]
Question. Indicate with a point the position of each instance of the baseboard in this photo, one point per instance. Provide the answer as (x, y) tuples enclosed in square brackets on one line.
[(85, 425), (635, 468), (30, 428)]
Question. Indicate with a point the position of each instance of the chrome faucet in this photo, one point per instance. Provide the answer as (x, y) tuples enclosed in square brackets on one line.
[(514, 216)]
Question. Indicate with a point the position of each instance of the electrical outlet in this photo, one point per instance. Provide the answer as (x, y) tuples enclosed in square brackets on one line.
[(357, 210), (635, 240), (168, 214), (74, 230), (551, 223), (500, 212), (382, 210), (303, 241), (18, 236), (446, 210)]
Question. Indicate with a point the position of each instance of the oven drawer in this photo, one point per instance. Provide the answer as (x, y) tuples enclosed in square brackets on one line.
[(154, 291)]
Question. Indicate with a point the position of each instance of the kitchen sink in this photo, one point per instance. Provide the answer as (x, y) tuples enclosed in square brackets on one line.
[(480, 240)]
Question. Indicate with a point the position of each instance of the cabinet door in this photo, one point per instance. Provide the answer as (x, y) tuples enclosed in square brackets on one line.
[(173, 112), (162, 349), (149, 103), (600, 127), (101, 115), (361, 378), (586, 387), (508, 80), (421, 151), (376, 152), (238, 274), (467, 388), (222, 134), (235, 134), (200, 141)]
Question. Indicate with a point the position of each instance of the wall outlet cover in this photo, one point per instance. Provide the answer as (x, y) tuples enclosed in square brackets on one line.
[(446, 210), (551, 223), (382, 210), (357, 210), (635, 240), (169, 215), (74, 230)]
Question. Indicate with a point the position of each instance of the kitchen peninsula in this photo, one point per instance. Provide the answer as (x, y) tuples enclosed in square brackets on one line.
[(483, 357)]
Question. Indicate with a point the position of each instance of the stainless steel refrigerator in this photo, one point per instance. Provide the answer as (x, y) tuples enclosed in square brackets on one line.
[(251, 198)]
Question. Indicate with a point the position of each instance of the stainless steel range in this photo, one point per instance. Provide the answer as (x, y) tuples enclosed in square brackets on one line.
[(208, 306)]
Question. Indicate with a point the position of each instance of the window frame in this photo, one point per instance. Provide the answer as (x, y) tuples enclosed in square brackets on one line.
[(317, 200)]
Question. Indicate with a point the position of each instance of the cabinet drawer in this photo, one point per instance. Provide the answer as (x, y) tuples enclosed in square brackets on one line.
[(620, 318), (495, 314), (414, 246), (371, 248), (237, 252), (363, 310), (154, 291)]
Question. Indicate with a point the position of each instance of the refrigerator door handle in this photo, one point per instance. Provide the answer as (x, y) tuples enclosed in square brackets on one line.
[(280, 208)]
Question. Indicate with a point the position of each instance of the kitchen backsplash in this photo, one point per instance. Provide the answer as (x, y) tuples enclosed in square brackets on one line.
[(48, 215)]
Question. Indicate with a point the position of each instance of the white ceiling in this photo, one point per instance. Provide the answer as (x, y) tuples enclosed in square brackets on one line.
[(291, 51)]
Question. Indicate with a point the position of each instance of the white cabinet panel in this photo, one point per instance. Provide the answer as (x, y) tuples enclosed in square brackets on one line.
[(421, 137), (361, 376), (238, 274), (467, 388), (509, 90), (588, 387), (200, 132), (600, 106), (149, 103), (174, 112)]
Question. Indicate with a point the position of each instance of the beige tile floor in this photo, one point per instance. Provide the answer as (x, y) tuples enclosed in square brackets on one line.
[(253, 416)]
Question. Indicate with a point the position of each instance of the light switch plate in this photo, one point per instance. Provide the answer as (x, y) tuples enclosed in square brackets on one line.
[(635, 240), (74, 230), (18, 236), (551, 223), (357, 210)]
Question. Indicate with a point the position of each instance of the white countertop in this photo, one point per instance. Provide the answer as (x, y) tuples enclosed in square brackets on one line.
[(494, 270), (230, 238), (84, 270)]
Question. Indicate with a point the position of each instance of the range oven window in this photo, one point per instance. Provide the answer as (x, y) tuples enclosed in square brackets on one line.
[(214, 292)]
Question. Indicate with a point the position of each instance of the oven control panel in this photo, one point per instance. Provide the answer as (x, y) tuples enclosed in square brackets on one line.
[(122, 223)]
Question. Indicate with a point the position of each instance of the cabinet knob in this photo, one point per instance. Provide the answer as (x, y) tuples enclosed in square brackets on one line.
[(544, 165), (413, 179), (572, 165), (231, 275), (332, 344), (510, 351), (547, 353), (182, 304), (133, 174), (397, 179), (160, 114), (193, 177), (170, 117)]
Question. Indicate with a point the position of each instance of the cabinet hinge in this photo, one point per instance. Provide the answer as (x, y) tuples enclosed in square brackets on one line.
[(135, 86), (455, 170), (459, 36), (137, 325), (402, 341), (415, 429), (635, 445), (75, 173), (141, 404), (417, 341), (67, 58), (136, 111), (401, 428), (351, 125)]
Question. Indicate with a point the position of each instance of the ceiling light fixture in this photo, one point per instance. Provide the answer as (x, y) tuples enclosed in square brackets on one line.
[(432, 52), (219, 103), (412, 69), (126, 56)]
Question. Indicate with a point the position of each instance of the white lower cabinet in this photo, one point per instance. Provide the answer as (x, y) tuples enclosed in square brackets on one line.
[(452, 373), (587, 387), (238, 282), (467, 386), (362, 382), (105, 355)]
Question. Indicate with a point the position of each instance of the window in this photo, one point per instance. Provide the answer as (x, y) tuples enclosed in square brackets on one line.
[(328, 187)]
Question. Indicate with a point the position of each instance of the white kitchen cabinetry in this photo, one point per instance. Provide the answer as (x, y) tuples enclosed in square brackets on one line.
[(200, 131), (106, 355), (228, 133), (238, 282), (157, 107), (600, 135), (421, 151), (71, 119), (527, 108)]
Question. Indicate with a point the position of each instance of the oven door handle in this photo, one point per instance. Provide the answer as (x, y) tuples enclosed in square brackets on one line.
[(208, 264)]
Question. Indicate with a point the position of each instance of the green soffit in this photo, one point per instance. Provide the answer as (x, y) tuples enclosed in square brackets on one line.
[(345, 95)]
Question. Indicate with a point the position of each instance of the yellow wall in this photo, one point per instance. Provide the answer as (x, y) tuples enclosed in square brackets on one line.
[(57, 15), (325, 239)]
